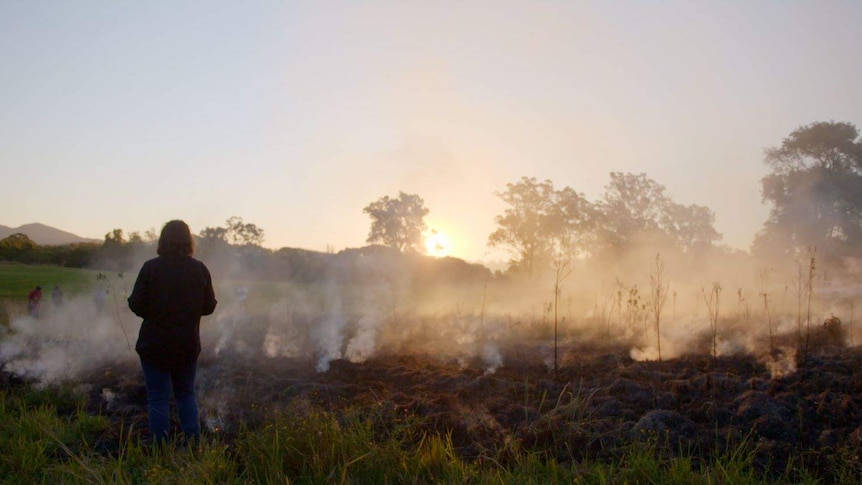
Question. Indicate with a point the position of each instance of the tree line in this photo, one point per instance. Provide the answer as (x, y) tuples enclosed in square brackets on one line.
[(119, 250), (813, 189)]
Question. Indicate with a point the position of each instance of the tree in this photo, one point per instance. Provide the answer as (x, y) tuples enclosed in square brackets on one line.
[(237, 241), (235, 232), (18, 247), (632, 208), (636, 210), (398, 223), (240, 233), (150, 235), (690, 227), (523, 226), (213, 234), (114, 238), (571, 223), (815, 192), (538, 215), (115, 253)]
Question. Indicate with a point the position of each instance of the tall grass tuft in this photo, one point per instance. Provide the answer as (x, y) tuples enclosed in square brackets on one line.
[(320, 447)]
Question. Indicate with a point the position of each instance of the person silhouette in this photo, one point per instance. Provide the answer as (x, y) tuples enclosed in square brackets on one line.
[(99, 298), (33, 300), (57, 296), (172, 292)]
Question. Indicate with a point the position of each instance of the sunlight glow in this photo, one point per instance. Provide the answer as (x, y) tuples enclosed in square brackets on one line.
[(437, 244)]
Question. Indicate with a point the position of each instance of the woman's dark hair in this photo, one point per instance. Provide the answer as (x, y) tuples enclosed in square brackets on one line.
[(176, 239)]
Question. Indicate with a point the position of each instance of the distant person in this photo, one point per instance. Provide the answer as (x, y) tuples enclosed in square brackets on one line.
[(242, 297), (171, 294), (99, 298), (33, 300), (57, 296)]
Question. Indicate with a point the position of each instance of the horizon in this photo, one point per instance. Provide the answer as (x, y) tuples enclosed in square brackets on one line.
[(125, 233)]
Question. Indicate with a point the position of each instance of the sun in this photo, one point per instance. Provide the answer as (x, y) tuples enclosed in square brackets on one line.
[(436, 244)]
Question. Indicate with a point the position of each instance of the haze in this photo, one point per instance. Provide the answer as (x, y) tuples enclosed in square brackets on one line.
[(294, 116)]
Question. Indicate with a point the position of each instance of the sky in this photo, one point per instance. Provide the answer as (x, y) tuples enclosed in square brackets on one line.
[(294, 116)]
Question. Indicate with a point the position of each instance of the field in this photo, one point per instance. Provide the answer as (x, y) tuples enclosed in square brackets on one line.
[(306, 387), (17, 280)]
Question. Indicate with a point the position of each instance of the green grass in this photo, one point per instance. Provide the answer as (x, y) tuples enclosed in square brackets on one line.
[(47, 437), (16, 280)]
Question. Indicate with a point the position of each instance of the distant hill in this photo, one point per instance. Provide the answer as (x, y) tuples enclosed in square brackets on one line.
[(44, 235)]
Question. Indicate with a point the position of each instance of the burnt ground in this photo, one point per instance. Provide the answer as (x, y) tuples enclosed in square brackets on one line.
[(599, 402)]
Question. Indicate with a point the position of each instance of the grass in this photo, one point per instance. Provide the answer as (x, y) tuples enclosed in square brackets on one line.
[(16, 280), (47, 437)]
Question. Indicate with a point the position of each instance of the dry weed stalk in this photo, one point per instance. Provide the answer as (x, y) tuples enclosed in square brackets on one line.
[(764, 283), (619, 299), (634, 308), (604, 309), (712, 299), (562, 269), (800, 290), (658, 296), (769, 322), (812, 256), (743, 307)]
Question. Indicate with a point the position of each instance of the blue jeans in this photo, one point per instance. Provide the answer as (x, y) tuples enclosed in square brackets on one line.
[(159, 384)]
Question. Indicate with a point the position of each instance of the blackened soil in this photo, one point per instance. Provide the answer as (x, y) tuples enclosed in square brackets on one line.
[(597, 403)]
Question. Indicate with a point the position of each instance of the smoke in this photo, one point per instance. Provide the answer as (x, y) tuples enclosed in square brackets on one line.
[(781, 363), (368, 304), (229, 326), (67, 341), (492, 357), (362, 345), (110, 398), (328, 336)]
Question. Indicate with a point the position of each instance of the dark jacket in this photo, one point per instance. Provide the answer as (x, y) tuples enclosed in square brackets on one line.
[(171, 294)]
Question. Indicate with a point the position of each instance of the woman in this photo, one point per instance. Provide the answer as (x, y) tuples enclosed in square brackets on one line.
[(171, 294)]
